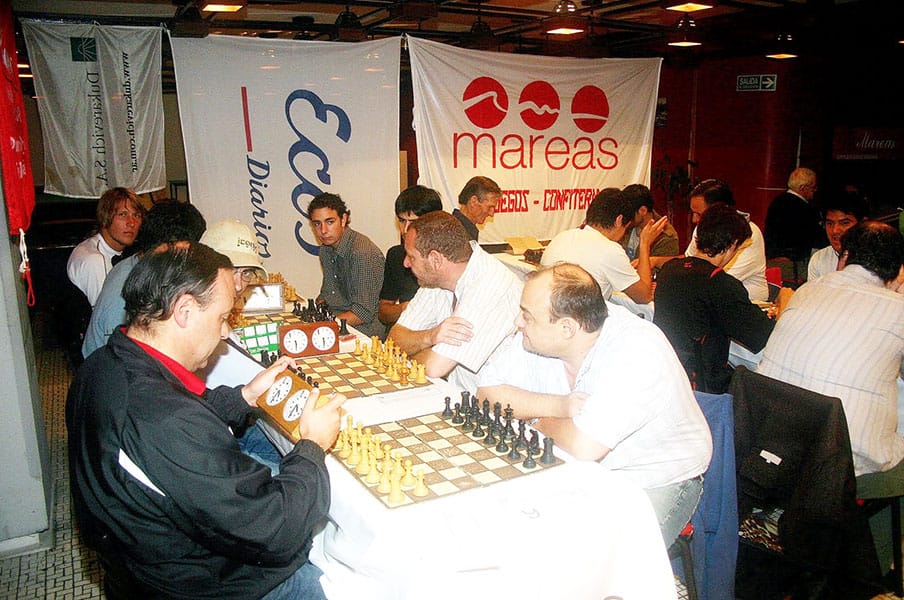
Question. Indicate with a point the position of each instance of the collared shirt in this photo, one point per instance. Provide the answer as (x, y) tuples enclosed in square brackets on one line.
[(191, 381), (487, 295), (89, 264), (652, 424), (399, 283), (842, 335), (470, 227), (822, 262), (604, 259), (110, 307), (352, 277), (749, 263)]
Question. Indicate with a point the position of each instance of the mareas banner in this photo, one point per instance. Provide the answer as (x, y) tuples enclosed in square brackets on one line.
[(269, 124), (551, 132), (101, 106)]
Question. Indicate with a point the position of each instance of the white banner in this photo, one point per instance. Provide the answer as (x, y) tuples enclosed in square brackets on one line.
[(101, 106), (269, 124), (551, 132)]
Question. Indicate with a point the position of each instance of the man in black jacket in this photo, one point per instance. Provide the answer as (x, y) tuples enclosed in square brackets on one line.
[(158, 480)]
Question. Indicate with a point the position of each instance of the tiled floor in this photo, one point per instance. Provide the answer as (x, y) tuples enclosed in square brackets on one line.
[(68, 570)]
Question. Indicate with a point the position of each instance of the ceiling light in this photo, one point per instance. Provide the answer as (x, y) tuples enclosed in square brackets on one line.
[(227, 6), (685, 34), (565, 23), (349, 27), (783, 47), (687, 7), (564, 7)]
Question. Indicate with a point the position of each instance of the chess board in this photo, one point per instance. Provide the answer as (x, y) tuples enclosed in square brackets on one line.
[(347, 374), (451, 459)]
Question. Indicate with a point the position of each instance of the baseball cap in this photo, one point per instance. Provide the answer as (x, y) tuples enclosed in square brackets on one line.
[(234, 239)]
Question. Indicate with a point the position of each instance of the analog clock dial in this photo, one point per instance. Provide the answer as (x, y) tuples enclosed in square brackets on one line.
[(279, 390), (295, 404), (323, 338), (295, 341)]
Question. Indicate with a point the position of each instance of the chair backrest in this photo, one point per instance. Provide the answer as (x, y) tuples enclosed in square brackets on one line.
[(715, 542)]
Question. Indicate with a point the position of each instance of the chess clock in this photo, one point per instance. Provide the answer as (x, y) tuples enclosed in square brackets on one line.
[(309, 339), (283, 403)]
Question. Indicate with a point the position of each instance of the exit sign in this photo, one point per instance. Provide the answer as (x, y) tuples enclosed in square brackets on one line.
[(756, 83)]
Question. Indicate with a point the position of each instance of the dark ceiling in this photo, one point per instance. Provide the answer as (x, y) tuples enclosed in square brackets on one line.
[(616, 28)]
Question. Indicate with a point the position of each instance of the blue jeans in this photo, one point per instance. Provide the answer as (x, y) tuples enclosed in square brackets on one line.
[(303, 584), (674, 506), (259, 447)]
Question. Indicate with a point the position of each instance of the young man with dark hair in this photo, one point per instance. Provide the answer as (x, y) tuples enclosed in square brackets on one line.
[(749, 263), (465, 306), (569, 367), (841, 210), (119, 216), (399, 284), (159, 484), (700, 308), (477, 202), (352, 266), (595, 247), (666, 245)]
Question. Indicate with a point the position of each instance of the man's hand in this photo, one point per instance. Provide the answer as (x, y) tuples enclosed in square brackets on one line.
[(263, 380), (454, 331), (321, 424), (652, 230)]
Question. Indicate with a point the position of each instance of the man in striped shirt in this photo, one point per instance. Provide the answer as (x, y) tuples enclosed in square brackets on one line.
[(466, 305)]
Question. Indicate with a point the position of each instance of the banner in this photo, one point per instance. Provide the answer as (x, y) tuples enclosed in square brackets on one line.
[(101, 108), (269, 124), (551, 132), (18, 187)]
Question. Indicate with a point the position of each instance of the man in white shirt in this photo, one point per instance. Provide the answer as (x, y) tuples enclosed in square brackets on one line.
[(570, 366), (119, 216), (749, 264), (595, 247), (842, 211), (466, 304)]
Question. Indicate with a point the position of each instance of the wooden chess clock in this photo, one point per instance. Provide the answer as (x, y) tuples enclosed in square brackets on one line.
[(309, 339), (282, 404)]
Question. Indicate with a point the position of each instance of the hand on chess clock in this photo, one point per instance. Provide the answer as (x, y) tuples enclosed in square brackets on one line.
[(321, 424), (263, 380)]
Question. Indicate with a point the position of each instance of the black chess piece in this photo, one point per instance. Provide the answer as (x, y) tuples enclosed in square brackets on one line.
[(490, 439), (529, 462), (447, 412), (343, 326), (457, 419), (466, 400), (533, 447), (478, 430), (309, 379), (311, 306), (502, 447), (509, 430), (514, 455), (521, 440), (296, 308), (548, 458), (468, 424)]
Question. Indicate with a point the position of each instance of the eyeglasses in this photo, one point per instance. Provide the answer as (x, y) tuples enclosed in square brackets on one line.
[(248, 275), (125, 214)]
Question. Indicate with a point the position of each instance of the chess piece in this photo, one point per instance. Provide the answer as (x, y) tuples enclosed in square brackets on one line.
[(420, 488), (408, 479), (478, 430), (466, 399), (548, 458), (345, 449), (343, 327), (514, 455), (534, 444), (357, 351), (490, 439), (373, 473), (363, 465), (447, 411), (502, 447), (395, 488), (521, 440), (529, 462), (468, 424), (355, 457), (458, 419), (421, 374), (384, 486)]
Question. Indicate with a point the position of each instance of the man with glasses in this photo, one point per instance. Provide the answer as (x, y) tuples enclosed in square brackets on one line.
[(399, 284), (119, 217)]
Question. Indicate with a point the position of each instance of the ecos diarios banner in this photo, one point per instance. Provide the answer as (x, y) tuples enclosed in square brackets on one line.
[(551, 132), (269, 124)]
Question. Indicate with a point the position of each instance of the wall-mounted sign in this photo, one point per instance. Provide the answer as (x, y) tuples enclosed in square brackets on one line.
[(868, 143), (757, 83)]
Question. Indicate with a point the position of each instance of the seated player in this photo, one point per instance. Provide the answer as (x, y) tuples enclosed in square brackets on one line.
[(352, 266), (570, 366), (477, 202), (701, 308), (666, 245), (158, 482), (399, 284), (841, 210), (749, 263), (167, 221), (465, 306), (595, 246), (119, 217)]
